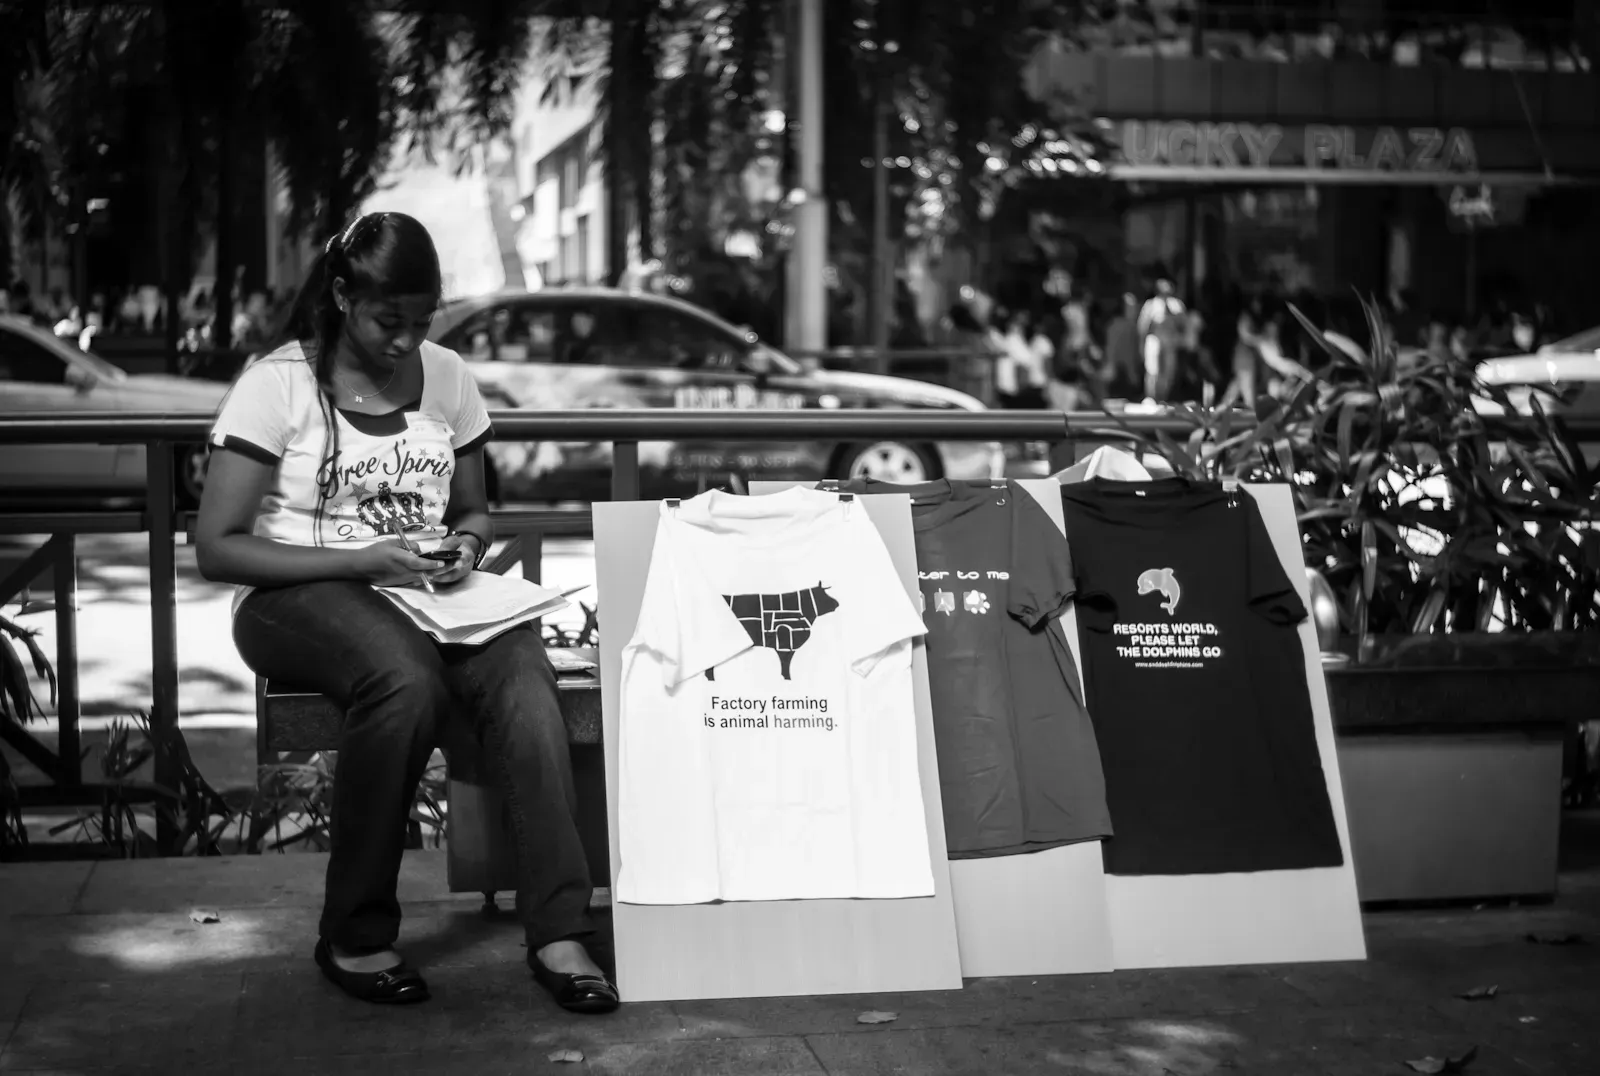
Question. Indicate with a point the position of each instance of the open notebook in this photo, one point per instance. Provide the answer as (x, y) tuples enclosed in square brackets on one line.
[(476, 609)]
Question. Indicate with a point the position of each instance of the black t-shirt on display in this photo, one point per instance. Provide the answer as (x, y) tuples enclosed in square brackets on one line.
[(1196, 681), (1019, 770)]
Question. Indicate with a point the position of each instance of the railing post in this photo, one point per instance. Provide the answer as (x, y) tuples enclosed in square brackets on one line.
[(160, 507), (533, 555), (68, 705), (533, 564), (625, 471)]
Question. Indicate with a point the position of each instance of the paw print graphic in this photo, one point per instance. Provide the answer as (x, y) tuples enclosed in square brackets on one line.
[(975, 601)]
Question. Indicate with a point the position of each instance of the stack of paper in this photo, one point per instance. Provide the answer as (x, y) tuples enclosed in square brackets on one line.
[(476, 609)]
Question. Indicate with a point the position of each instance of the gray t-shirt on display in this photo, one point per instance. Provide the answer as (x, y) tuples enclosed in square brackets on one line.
[(1019, 769)]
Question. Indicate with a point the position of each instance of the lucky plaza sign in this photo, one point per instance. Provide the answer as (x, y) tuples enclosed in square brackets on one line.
[(1189, 144)]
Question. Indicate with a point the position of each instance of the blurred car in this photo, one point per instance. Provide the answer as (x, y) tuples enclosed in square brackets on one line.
[(570, 348), (41, 373), (1564, 373)]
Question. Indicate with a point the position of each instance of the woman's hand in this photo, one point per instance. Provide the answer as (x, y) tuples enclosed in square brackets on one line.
[(391, 564), (457, 570)]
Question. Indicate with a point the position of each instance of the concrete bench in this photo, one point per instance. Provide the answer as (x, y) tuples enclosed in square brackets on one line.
[(481, 856)]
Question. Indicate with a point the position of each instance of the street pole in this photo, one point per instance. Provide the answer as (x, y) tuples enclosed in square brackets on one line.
[(882, 253), (806, 291)]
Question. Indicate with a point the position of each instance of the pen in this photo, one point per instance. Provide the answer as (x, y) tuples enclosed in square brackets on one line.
[(411, 547)]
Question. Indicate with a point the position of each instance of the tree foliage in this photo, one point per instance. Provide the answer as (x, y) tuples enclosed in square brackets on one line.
[(686, 87), (324, 78), (332, 86), (950, 74)]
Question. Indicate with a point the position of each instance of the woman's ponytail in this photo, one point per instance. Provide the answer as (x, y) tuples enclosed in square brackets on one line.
[(316, 321)]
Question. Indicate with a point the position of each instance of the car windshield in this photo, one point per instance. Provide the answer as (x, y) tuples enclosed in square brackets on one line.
[(456, 312), (104, 370), (1588, 340), (781, 363)]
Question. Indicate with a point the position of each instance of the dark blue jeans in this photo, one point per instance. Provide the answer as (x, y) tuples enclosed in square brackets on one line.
[(398, 687)]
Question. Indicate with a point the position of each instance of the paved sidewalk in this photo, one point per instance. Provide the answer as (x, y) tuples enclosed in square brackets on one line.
[(102, 970)]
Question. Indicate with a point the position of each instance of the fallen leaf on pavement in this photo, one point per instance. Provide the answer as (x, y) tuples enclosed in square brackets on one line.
[(1556, 939), (566, 1055), (873, 1016), (1527, 1019), (1443, 1064), (1480, 993), (200, 915)]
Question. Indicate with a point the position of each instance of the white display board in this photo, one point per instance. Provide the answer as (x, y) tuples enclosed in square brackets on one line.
[(769, 948), (1263, 917), (1043, 913)]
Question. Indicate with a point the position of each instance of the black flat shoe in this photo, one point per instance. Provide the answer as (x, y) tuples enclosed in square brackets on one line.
[(399, 985), (587, 994)]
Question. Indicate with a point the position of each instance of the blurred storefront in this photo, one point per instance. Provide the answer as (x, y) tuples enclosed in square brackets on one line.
[(1463, 187), (1454, 216)]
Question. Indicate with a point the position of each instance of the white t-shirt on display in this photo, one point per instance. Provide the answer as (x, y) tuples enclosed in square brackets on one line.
[(389, 467), (767, 738)]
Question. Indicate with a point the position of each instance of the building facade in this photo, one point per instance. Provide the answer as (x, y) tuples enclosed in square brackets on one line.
[(1313, 160), (560, 182)]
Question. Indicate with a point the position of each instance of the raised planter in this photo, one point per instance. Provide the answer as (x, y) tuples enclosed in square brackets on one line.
[(1450, 748)]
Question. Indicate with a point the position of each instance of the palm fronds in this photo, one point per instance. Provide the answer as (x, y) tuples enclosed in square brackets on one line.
[(18, 703), (1423, 513)]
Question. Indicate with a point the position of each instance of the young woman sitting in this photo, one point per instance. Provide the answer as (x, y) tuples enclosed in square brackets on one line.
[(343, 462)]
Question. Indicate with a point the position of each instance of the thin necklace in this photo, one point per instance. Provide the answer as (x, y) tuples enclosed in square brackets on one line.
[(374, 392)]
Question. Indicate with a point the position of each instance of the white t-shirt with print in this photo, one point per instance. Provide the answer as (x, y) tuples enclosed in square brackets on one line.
[(274, 412), (790, 770)]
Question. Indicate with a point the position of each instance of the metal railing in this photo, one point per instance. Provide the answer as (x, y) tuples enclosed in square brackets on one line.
[(624, 429)]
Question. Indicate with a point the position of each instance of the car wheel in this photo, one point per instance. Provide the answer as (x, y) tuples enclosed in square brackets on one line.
[(189, 479), (887, 461)]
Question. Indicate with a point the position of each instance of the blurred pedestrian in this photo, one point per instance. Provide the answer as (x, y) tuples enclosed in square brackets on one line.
[(1524, 335), (1067, 386), (1284, 373), (1032, 349), (1250, 333), (1161, 331), (22, 305), (974, 366), (1123, 373)]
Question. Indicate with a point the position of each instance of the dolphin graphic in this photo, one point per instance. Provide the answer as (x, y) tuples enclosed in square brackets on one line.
[(1163, 580)]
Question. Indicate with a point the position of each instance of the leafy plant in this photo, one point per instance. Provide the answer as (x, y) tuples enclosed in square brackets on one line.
[(17, 700), (588, 634), (13, 834), (296, 794), (1423, 498), (131, 807), (18, 705), (290, 806), (293, 805)]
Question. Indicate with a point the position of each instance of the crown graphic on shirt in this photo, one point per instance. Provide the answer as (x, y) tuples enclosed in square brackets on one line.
[(406, 506)]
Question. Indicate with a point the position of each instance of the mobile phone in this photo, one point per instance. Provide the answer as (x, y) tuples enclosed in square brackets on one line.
[(441, 554)]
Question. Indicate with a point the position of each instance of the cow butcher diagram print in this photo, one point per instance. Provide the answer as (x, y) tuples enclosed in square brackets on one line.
[(780, 622)]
